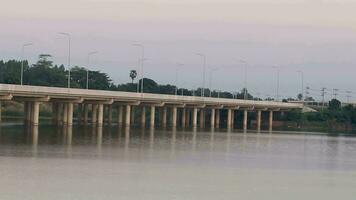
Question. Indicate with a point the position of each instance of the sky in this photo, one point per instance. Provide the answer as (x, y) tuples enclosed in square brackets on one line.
[(317, 37)]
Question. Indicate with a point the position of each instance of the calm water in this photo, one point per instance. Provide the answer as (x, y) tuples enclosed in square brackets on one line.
[(118, 163)]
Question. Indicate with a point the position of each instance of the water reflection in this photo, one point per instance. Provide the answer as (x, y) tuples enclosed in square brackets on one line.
[(248, 149)]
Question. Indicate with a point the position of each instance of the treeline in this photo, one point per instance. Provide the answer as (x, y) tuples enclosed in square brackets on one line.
[(45, 73), (332, 115)]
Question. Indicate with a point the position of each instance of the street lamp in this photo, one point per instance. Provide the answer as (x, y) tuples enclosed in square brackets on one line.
[(277, 90), (142, 59), (204, 69), (88, 65), (210, 78), (245, 78), (176, 78), (22, 57), (302, 77), (69, 39)]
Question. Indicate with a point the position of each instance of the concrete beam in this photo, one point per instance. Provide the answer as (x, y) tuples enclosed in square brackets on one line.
[(6, 97)]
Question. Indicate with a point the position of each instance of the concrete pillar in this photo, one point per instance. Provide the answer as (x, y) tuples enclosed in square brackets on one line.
[(152, 116), (212, 118), (270, 120), (201, 118), (217, 120), (164, 117), (110, 114), (100, 115), (94, 113), (80, 113), (143, 116), (132, 115), (0, 111), (183, 117), (119, 114), (86, 112), (70, 114), (65, 114), (195, 117), (245, 120), (187, 118), (36, 113), (232, 118), (258, 116), (174, 116), (128, 115), (228, 122)]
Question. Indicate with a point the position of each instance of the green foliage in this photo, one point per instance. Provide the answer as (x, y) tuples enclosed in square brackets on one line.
[(334, 104)]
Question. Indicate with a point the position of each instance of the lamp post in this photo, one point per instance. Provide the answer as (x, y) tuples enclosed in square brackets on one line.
[(245, 78), (69, 40), (277, 89), (22, 57), (142, 60), (204, 71), (211, 79), (302, 79), (88, 65), (176, 77)]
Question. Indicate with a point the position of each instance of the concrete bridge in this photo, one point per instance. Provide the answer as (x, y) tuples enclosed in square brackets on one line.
[(183, 109)]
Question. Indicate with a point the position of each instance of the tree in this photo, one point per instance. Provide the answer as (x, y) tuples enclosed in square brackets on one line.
[(334, 104), (133, 75), (300, 96)]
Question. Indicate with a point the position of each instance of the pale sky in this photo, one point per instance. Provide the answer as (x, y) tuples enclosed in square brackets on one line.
[(315, 36)]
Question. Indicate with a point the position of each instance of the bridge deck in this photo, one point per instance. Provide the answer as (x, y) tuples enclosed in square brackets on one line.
[(50, 93)]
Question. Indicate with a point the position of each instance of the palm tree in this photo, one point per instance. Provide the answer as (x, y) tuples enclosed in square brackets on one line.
[(133, 75)]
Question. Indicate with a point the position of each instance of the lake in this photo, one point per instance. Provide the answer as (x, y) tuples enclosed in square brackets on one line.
[(48, 162)]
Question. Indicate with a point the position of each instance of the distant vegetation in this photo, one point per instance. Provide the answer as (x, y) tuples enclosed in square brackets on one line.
[(45, 73)]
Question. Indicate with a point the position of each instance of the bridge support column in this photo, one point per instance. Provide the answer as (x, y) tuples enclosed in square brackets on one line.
[(164, 117), (195, 117), (174, 116), (232, 119), (187, 117), (152, 116), (245, 120), (128, 116), (65, 114), (70, 114), (35, 113), (100, 115), (183, 117), (132, 115), (94, 112), (110, 114), (80, 113), (86, 112), (228, 122), (259, 113), (212, 118), (119, 115), (217, 120), (143, 116), (201, 118), (270, 120)]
